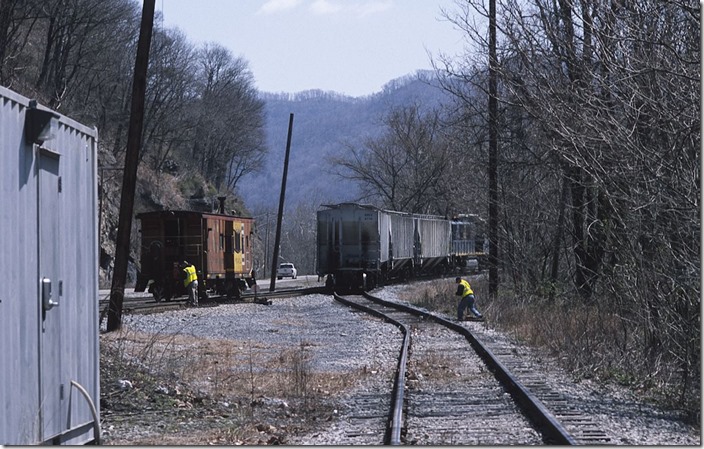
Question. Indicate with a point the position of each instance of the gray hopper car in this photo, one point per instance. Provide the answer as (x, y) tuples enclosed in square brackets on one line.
[(361, 247)]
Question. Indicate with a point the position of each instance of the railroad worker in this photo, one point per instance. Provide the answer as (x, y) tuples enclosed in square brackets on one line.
[(190, 281), (464, 291)]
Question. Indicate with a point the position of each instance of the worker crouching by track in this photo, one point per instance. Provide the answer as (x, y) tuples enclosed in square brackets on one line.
[(466, 294)]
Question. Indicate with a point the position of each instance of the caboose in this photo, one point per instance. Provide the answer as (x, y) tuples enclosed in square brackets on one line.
[(217, 244)]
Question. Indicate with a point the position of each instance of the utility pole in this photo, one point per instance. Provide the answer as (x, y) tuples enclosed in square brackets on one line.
[(493, 158), (266, 244), (277, 240), (129, 179)]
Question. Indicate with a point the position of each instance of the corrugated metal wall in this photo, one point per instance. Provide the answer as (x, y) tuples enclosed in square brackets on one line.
[(48, 224), (384, 231), (434, 237), (350, 236), (402, 235)]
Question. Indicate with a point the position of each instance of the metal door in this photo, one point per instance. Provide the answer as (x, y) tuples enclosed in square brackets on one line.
[(230, 257), (51, 390)]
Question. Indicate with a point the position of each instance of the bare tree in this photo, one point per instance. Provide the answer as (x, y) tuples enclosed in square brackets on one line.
[(169, 127), (75, 33), (229, 140), (601, 110), (17, 20), (406, 168)]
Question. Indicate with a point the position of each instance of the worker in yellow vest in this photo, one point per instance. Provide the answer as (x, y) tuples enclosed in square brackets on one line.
[(466, 294), (190, 281)]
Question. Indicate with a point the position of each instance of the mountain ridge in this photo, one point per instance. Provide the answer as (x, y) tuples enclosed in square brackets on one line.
[(324, 122)]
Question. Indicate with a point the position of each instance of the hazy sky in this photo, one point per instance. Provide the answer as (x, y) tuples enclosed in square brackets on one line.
[(353, 47)]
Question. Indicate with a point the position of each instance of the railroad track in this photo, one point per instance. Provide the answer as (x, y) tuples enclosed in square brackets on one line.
[(145, 302), (452, 388)]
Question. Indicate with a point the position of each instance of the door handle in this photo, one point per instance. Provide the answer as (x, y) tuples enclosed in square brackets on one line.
[(47, 302)]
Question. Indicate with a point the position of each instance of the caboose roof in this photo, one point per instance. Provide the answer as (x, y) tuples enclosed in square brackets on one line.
[(187, 213)]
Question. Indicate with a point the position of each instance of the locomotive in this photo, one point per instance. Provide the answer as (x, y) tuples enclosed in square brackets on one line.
[(360, 247), (217, 244)]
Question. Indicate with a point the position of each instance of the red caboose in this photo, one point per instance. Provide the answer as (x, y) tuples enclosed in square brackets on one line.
[(218, 245)]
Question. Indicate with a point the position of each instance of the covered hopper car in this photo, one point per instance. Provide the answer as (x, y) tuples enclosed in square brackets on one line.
[(361, 247), (217, 244)]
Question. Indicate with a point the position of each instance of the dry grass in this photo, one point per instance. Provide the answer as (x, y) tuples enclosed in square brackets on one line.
[(186, 378), (438, 295), (436, 366), (223, 368), (588, 340)]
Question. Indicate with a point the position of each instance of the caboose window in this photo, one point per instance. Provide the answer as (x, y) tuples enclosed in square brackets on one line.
[(222, 242), (238, 242)]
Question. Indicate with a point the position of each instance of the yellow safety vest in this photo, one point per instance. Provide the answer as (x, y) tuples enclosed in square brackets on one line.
[(190, 275), (467, 288)]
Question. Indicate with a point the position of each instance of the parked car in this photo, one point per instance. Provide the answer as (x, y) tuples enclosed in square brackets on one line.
[(286, 270)]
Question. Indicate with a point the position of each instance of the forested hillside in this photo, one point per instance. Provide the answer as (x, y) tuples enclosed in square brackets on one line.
[(324, 122)]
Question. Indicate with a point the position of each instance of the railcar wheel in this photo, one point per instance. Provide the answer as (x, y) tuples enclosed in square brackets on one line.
[(330, 282), (157, 291), (167, 293), (202, 292), (232, 291)]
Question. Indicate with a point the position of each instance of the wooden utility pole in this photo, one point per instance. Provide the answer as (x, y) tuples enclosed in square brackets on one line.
[(279, 218), (129, 179), (493, 158)]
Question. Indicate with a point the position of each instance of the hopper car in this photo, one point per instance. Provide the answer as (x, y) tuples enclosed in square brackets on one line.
[(360, 247)]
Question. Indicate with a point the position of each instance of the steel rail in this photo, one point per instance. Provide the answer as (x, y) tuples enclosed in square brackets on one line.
[(147, 302), (286, 293), (552, 430), (392, 436)]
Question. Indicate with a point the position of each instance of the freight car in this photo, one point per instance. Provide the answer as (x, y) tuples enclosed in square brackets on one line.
[(217, 244), (361, 247)]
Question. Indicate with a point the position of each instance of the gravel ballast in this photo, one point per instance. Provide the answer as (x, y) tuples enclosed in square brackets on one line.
[(279, 374)]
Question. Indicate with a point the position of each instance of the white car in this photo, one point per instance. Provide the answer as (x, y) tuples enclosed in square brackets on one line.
[(286, 270)]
